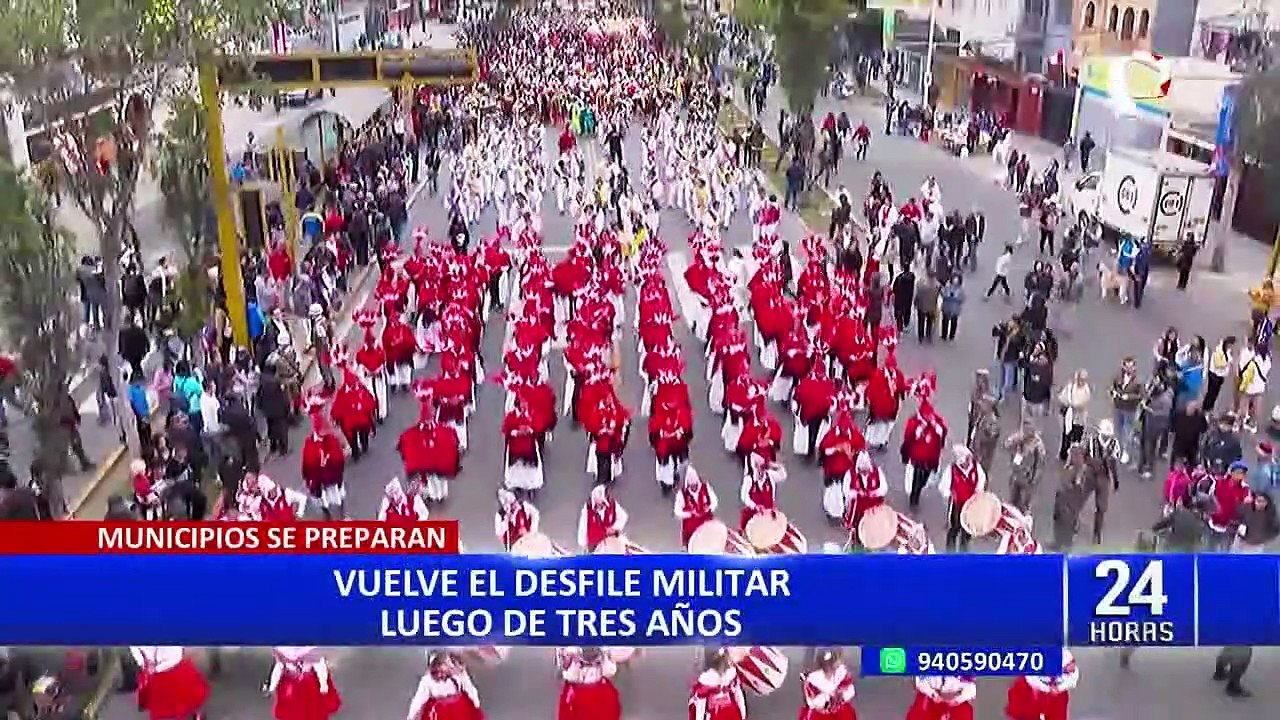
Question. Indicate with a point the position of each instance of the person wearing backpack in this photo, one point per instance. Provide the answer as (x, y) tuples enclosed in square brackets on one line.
[(187, 390)]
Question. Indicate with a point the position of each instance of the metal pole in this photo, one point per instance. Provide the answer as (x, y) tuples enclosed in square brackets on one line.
[(220, 186), (288, 200), (926, 77), (335, 8)]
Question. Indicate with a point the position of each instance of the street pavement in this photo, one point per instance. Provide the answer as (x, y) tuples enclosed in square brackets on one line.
[(379, 682)]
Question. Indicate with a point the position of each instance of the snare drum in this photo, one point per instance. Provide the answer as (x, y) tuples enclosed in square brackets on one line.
[(618, 545), (981, 514), (536, 545), (878, 527), (715, 538), (762, 669), (773, 534)]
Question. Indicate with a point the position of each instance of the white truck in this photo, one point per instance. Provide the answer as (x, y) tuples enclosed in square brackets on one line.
[(1159, 196)]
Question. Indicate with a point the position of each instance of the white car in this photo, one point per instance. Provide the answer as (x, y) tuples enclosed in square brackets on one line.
[(1080, 199)]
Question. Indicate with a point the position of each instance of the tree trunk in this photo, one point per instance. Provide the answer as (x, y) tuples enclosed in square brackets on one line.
[(1222, 229)]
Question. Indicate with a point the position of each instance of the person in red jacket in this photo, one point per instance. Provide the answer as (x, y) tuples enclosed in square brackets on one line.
[(609, 440), (440, 453), (963, 480), (695, 504), (761, 435), (354, 411), (884, 394), (524, 454), (371, 359), (922, 440), (323, 463), (670, 430), (399, 344), (840, 446), (865, 489), (811, 403)]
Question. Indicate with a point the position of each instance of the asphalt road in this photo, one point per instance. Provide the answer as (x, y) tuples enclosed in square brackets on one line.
[(378, 682)]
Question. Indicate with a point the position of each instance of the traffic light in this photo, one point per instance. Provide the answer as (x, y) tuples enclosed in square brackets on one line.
[(313, 71)]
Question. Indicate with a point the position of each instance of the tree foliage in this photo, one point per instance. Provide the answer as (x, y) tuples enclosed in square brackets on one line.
[(37, 271), (670, 17), (181, 168), (137, 56), (1257, 127), (802, 31)]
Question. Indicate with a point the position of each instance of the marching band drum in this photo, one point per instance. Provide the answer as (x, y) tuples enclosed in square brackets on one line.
[(883, 527), (770, 533), (715, 538), (619, 545), (536, 545), (986, 514), (762, 669)]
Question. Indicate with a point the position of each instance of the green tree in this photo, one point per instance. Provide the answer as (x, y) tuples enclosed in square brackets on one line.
[(139, 55), (1256, 142), (181, 167), (37, 267), (670, 17), (802, 32)]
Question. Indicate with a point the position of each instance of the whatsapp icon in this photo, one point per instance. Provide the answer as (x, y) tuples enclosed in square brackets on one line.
[(893, 661)]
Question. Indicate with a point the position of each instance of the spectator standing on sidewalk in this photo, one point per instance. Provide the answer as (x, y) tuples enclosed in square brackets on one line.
[(952, 302), (927, 301), (141, 410)]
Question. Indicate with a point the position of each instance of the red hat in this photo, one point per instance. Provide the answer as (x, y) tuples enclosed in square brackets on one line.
[(423, 389), (314, 402), (1265, 448), (366, 317)]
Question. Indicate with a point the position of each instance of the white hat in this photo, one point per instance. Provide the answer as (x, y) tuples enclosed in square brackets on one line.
[(315, 310), (293, 653), (691, 476), (864, 463), (599, 493), (1106, 428), (394, 488)]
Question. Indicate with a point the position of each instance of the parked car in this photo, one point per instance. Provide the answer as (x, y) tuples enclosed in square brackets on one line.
[(296, 98), (1080, 200)]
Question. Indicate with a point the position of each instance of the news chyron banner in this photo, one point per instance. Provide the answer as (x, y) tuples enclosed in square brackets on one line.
[(370, 583)]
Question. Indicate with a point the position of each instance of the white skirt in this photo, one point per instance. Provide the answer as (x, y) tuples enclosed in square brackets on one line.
[(878, 433), (332, 495), (834, 501), (437, 488), (521, 476), (780, 390), (665, 472), (461, 429), (730, 431)]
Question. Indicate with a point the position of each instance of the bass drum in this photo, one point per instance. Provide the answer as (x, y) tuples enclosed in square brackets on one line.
[(763, 669), (981, 514), (773, 534), (538, 546)]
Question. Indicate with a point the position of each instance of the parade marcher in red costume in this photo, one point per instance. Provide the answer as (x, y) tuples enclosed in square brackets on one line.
[(670, 430), (524, 451), (609, 438), (840, 445), (696, 503), (761, 435), (759, 491), (399, 344), (717, 694), (828, 691), (323, 463), (515, 519), (278, 504), (302, 685), (922, 441), (601, 517), (354, 411), (811, 404), (588, 692), (960, 482), (398, 508), (430, 449), (864, 489), (1044, 697), (371, 359), (445, 692), (884, 393), (170, 687), (943, 698)]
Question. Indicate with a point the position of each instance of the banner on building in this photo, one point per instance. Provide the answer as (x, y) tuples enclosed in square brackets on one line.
[(1142, 82), (1224, 139)]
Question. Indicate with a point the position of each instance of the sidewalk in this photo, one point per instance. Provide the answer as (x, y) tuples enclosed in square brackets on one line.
[(87, 493)]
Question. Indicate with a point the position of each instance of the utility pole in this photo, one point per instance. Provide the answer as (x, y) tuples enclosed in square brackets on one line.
[(926, 77)]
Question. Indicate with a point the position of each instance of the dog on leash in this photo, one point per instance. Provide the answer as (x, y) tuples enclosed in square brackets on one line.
[(1111, 282)]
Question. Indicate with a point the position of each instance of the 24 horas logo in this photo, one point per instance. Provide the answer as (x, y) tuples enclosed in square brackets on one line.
[(1127, 194)]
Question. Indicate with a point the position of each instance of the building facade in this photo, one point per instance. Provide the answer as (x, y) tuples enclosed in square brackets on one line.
[(1120, 27), (988, 27)]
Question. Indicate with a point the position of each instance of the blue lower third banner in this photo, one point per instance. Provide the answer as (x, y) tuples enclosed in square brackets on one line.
[(883, 600)]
